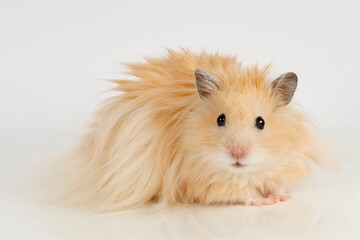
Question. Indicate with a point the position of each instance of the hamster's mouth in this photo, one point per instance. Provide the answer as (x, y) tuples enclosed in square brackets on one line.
[(238, 165)]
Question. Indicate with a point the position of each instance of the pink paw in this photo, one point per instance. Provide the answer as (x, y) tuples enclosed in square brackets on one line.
[(269, 200), (260, 202), (282, 197)]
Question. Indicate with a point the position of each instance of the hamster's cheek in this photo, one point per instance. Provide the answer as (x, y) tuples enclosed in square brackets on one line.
[(216, 158), (256, 160)]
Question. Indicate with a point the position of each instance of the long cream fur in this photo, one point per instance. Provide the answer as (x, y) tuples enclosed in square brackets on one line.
[(158, 142)]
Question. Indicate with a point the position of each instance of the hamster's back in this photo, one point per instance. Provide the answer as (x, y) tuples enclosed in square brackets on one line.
[(121, 162)]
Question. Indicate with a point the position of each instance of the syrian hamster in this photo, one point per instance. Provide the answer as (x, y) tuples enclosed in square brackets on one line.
[(194, 128)]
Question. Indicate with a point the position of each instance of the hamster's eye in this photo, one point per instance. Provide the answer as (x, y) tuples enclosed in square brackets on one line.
[(260, 123), (221, 120)]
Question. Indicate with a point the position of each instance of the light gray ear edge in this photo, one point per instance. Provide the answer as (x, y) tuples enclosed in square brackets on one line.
[(199, 71), (285, 76), (285, 86), (205, 83)]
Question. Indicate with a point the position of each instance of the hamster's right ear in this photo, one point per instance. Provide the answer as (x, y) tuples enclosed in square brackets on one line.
[(285, 86), (205, 83)]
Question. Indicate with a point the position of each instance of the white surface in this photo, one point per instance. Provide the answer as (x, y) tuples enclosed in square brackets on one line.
[(53, 53), (323, 207)]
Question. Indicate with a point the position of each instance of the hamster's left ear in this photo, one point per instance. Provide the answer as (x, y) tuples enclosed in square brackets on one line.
[(285, 86), (205, 83)]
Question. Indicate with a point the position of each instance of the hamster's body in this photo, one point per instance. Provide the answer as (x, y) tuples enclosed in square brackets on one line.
[(160, 142)]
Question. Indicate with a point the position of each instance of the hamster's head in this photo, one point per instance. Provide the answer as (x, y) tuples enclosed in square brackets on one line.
[(243, 122)]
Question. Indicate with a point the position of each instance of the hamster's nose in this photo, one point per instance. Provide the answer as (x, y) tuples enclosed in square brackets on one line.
[(238, 151)]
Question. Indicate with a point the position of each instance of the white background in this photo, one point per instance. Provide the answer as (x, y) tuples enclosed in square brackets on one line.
[(53, 55)]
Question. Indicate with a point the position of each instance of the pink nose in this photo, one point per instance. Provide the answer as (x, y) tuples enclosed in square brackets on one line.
[(238, 151)]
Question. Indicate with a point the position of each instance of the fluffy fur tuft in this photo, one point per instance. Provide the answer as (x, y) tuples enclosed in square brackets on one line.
[(159, 142)]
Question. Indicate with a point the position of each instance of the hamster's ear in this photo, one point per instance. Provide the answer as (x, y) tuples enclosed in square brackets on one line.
[(285, 86), (205, 83)]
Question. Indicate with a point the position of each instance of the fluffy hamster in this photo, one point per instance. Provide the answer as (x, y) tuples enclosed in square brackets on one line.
[(194, 129)]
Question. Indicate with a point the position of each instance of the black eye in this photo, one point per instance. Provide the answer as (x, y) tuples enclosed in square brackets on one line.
[(260, 123), (221, 120)]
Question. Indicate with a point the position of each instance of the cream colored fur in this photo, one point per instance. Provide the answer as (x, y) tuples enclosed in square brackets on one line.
[(158, 142)]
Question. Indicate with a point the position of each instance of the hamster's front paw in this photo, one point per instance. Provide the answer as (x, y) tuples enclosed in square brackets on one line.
[(272, 198), (280, 196), (260, 201)]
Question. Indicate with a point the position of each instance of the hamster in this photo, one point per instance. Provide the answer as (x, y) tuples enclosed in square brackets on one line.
[(194, 128)]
